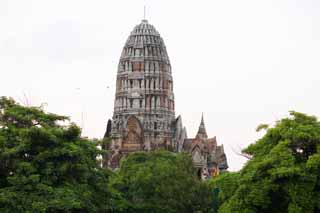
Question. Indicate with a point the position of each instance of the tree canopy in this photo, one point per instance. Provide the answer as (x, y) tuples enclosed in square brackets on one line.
[(46, 166), (283, 174), (161, 181)]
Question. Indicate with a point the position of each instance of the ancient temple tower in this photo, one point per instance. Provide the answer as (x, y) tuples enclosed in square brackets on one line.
[(144, 114)]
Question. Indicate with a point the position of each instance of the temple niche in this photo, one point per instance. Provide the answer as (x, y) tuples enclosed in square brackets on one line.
[(144, 107), (134, 139)]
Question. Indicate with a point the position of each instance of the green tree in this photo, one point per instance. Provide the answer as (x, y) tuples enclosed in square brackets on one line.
[(161, 181), (227, 183), (283, 174), (46, 166)]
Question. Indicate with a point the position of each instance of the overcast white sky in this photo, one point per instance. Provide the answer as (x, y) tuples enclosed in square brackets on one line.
[(242, 63)]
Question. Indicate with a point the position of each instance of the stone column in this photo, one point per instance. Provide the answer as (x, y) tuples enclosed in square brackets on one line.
[(152, 102), (156, 83), (158, 102)]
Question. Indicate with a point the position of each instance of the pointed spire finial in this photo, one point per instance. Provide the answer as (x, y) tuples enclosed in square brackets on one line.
[(144, 20), (202, 133), (202, 121)]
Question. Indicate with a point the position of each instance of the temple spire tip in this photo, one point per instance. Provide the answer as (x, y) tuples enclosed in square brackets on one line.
[(202, 129)]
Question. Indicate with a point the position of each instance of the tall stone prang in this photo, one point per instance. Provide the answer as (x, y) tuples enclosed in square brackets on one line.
[(144, 107), (144, 113)]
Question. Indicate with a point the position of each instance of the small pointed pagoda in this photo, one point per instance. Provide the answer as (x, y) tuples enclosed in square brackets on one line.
[(207, 156)]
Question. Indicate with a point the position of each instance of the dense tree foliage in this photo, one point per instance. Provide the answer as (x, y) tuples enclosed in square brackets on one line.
[(161, 181), (47, 167), (227, 183), (283, 174)]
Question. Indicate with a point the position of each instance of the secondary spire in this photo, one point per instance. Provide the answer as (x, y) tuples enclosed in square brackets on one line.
[(202, 133)]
